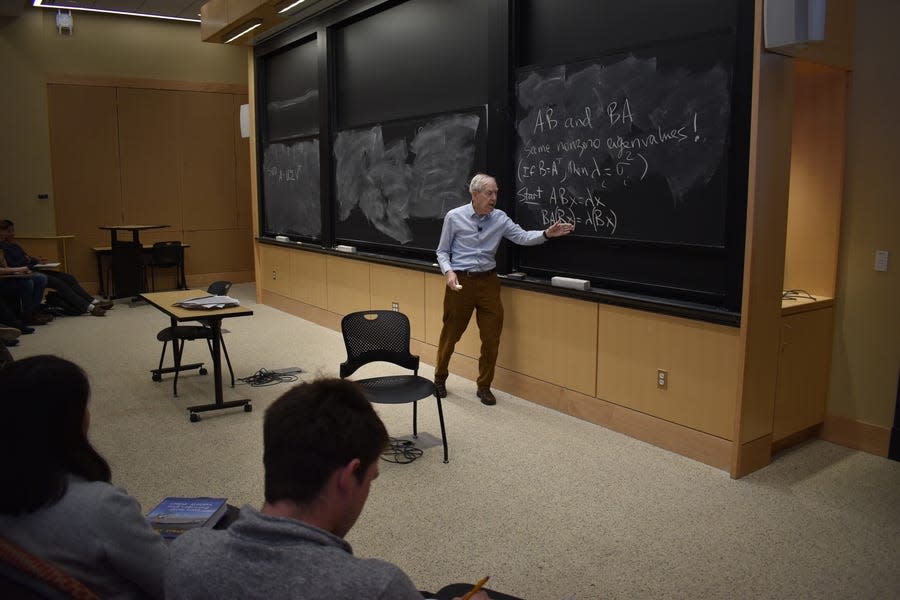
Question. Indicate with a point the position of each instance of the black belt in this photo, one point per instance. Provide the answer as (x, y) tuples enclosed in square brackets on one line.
[(475, 273)]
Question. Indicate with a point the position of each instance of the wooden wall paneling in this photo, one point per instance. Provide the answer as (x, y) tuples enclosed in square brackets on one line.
[(242, 167), (218, 251), (275, 270), (85, 164), (700, 360), (309, 273), (148, 153), (551, 338), (406, 288), (803, 369), (819, 142), (207, 157), (434, 307), (857, 435), (349, 287)]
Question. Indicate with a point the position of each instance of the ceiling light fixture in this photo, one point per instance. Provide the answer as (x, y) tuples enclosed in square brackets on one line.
[(242, 30), (50, 4), (289, 5)]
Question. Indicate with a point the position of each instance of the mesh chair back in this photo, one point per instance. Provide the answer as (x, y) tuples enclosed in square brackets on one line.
[(219, 288), (376, 335), (167, 254)]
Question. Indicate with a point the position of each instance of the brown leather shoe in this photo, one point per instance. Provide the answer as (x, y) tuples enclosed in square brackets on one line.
[(106, 304), (9, 334), (38, 318), (98, 311), (487, 396), (441, 388)]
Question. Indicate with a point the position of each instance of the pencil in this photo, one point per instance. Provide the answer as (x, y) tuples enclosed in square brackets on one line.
[(476, 588)]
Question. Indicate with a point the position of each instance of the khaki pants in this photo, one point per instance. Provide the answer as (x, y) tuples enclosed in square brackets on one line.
[(480, 293)]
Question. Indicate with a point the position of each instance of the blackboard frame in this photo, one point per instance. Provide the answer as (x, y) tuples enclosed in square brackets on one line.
[(717, 302)]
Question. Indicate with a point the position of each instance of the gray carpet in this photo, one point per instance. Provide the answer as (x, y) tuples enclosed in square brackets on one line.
[(551, 507)]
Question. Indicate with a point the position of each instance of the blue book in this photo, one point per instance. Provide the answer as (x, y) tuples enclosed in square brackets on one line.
[(173, 516)]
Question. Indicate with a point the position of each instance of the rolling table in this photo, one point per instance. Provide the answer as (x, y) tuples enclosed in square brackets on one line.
[(164, 301)]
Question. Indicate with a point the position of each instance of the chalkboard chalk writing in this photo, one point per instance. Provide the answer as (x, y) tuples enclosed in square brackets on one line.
[(291, 189), (624, 149), (395, 181)]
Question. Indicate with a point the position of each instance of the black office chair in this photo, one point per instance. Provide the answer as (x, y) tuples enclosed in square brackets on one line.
[(383, 336), (167, 255), (179, 334)]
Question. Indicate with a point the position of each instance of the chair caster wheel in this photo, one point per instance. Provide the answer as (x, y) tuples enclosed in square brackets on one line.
[(157, 377), (248, 408), (203, 371), (194, 417)]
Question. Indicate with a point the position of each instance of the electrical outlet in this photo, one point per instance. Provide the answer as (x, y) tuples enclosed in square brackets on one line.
[(662, 379), (395, 306), (881, 260), (273, 274)]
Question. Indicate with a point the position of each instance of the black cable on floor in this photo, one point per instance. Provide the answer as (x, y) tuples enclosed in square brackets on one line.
[(263, 377), (401, 451)]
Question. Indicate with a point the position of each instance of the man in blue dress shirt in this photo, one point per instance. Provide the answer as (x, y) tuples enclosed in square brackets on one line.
[(466, 254)]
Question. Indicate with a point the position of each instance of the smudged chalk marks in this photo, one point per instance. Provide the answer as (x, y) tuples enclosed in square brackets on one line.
[(421, 175)]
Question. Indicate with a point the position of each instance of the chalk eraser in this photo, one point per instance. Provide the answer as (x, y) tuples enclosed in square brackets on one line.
[(570, 282), (343, 248), (516, 275), (282, 238)]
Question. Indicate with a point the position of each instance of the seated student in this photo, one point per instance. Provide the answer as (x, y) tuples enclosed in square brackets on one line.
[(321, 445), (64, 284), (57, 501), (11, 326), (27, 290)]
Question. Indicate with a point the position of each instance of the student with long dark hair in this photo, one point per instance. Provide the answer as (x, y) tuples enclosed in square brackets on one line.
[(57, 501)]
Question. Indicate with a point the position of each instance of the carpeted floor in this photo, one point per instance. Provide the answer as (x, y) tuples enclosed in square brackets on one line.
[(551, 507)]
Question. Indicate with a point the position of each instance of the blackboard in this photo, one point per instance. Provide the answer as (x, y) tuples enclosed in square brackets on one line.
[(395, 181), (292, 95), (630, 146), (290, 182)]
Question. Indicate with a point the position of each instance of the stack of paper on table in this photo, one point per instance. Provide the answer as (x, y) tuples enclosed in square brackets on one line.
[(208, 302)]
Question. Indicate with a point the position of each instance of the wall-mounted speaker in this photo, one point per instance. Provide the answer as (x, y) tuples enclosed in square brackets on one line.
[(245, 120), (791, 22)]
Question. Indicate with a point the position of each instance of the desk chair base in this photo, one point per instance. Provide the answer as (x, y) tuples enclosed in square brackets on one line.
[(178, 335), (207, 407), (157, 374)]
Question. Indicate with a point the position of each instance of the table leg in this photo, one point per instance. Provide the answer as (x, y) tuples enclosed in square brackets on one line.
[(216, 325), (100, 277)]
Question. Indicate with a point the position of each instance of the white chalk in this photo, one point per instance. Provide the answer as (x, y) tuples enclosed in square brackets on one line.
[(570, 282), (282, 238), (343, 248), (457, 287)]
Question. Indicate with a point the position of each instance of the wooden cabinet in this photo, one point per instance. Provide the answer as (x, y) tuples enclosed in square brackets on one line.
[(804, 363)]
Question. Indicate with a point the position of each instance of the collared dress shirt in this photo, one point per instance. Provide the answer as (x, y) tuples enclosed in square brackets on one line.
[(469, 241)]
